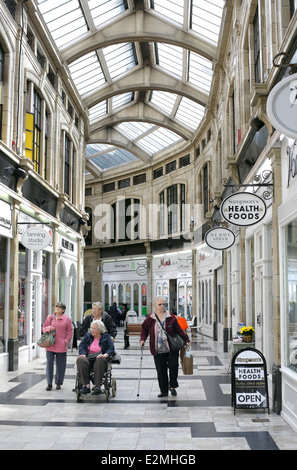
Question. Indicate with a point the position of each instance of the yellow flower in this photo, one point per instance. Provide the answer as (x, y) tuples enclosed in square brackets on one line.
[(247, 330)]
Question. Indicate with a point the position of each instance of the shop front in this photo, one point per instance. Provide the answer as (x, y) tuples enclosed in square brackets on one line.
[(288, 269), (126, 281), (172, 278), (34, 284), (5, 236)]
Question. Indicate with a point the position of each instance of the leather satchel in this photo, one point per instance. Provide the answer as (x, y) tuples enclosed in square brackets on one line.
[(176, 342)]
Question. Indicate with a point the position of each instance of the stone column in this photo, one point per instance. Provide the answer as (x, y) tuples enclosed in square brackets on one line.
[(275, 156), (13, 349)]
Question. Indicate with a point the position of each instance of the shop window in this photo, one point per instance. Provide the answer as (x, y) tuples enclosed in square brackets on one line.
[(128, 295), (136, 297), (144, 299), (290, 276), (22, 313), (3, 270), (121, 294)]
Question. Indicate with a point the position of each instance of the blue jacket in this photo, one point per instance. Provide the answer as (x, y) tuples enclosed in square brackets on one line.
[(105, 342)]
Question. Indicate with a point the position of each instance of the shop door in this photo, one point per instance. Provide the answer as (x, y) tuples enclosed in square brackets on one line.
[(36, 309)]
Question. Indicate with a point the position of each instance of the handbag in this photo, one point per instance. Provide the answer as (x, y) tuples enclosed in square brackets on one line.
[(176, 342), (47, 339), (93, 356)]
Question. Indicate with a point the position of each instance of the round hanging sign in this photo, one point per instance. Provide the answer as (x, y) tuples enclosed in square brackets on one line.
[(243, 209), (219, 238), (282, 106), (36, 238)]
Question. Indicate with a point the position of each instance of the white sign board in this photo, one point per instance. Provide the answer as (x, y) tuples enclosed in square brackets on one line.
[(282, 106), (36, 238), (243, 209), (219, 238)]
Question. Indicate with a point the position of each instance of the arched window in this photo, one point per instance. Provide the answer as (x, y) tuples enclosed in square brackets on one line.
[(172, 209), (89, 237)]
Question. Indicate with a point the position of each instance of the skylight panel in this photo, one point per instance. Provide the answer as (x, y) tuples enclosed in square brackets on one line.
[(206, 18), (119, 59), (170, 58), (163, 100), (134, 129), (65, 20), (98, 111), (158, 140), (108, 157), (86, 73), (105, 10), (122, 99), (200, 71), (172, 9), (190, 113)]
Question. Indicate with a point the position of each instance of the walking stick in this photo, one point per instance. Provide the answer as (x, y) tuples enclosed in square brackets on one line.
[(141, 356)]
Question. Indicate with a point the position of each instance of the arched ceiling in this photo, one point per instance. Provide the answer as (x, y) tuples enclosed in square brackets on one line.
[(143, 69)]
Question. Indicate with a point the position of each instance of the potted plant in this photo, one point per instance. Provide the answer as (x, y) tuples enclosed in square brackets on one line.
[(247, 333)]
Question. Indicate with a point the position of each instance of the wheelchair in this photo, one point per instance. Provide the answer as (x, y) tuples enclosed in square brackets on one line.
[(108, 382)]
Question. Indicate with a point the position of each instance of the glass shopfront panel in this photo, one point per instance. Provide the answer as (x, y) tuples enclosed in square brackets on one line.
[(290, 285), (3, 272)]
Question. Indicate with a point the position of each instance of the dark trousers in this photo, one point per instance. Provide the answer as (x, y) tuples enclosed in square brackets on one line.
[(164, 363), (60, 367), (84, 366)]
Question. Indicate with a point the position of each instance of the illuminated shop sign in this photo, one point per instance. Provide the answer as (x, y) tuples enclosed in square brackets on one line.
[(243, 209)]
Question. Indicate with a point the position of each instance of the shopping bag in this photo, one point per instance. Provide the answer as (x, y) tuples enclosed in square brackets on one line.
[(188, 363)]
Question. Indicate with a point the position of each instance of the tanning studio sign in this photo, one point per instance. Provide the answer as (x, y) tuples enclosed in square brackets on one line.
[(243, 209)]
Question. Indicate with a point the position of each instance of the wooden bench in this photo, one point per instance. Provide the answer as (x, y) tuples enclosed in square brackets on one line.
[(132, 327)]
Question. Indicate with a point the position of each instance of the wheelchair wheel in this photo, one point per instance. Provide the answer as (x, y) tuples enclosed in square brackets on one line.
[(78, 386), (113, 386)]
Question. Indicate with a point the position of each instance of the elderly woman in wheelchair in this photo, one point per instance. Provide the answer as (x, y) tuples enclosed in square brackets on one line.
[(94, 350)]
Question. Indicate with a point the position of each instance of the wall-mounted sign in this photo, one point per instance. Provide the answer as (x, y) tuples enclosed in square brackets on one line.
[(249, 379), (282, 106), (36, 238), (243, 209), (5, 214), (220, 238)]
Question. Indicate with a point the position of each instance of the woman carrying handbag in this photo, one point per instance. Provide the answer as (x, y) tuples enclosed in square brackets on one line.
[(161, 325), (61, 325)]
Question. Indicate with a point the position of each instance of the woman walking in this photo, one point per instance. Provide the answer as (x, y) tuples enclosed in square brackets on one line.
[(61, 324), (154, 326)]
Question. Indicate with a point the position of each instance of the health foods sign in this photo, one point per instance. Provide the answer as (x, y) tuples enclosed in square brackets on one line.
[(249, 380), (243, 209)]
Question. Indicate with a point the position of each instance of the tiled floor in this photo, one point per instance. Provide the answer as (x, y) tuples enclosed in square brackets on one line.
[(199, 418)]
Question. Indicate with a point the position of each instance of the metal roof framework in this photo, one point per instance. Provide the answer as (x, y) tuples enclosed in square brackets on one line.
[(143, 69)]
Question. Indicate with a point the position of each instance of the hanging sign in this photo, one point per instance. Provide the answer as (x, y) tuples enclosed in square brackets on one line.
[(282, 106), (36, 238), (219, 238), (243, 209), (249, 380)]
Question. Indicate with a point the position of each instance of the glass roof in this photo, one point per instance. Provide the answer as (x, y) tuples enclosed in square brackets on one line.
[(149, 114)]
